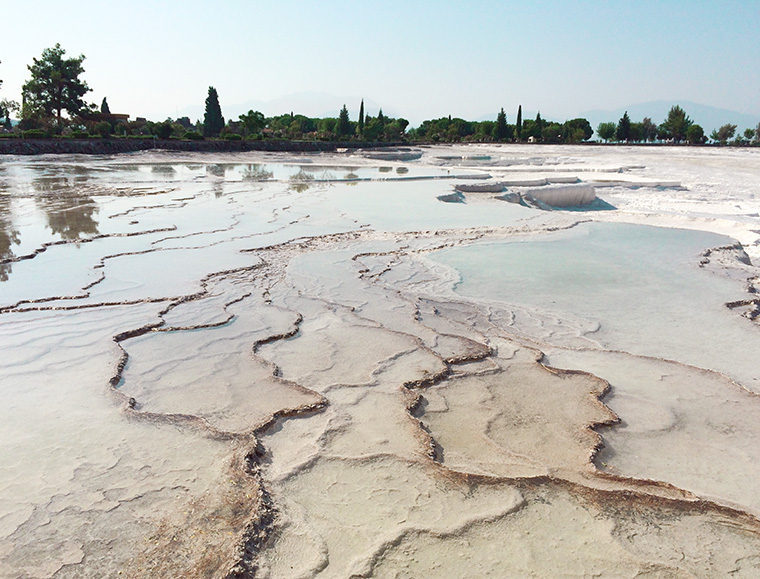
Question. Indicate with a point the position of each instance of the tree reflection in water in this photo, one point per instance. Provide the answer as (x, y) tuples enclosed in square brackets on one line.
[(8, 237), (256, 172), (69, 211), (218, 170)]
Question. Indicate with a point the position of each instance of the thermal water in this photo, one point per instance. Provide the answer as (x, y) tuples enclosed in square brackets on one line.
[(284, 366)]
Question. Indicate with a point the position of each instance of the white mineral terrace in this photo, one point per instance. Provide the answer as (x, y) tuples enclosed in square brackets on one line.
[(343, 365)]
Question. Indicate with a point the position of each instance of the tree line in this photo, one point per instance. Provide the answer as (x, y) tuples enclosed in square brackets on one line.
[(676, 128), (56, 87)]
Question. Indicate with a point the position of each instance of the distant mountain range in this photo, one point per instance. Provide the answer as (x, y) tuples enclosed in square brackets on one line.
[(709, 118)]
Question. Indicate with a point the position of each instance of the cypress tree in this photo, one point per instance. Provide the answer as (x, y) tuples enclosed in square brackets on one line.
[(518, 126), (104, 107), (360, 126), (381, 118), (213, 121)]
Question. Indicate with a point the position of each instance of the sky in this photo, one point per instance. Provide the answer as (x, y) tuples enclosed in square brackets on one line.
[(416, 59)]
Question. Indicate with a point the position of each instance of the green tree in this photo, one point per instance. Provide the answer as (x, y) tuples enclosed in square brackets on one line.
[(395, 129), (500, 129), (529, 129), (103, 128), (213, 121), (757, 133), (623, 129), (55, 85), (579, 129), (360, 125), (7, 107), (343, 127), (484, 131), (749, 134), (104, 108), (606, 131), (518, 124), (372, 128), (723, 134), (253, 122), (553, 133), (648, 130), (163, 130), (676, 124), (695, 135), (326, 127), (636, 132)]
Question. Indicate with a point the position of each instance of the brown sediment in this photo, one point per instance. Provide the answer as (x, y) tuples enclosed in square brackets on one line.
[(736, 255), (752, 305), (254, 524), (203, 543), (652, 520)]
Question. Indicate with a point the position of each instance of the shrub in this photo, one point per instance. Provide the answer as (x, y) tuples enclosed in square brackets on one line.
[(232, 137), (80, 134), (103, 128), (35, 134), (163, 130), (193, 136)]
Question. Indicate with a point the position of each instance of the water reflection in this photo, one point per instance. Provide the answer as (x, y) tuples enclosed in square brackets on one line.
[(301, 181), (256, 172), (217, 170), (69, 212), (70, 217), (8, 237), (55, 181), (167, 170)]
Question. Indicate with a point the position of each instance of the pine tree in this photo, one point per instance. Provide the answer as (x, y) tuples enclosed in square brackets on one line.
[(381, 118), (343, 127), (104, 107), (500, 130), (623, 131), (518, 125), (55, 85), (360, 126), (676, 124), (213, 121)]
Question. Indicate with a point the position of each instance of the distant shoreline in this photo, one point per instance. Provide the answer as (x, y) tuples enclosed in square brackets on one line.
[(115, 146)]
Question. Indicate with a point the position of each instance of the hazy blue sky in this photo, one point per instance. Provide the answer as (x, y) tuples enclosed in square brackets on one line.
[(417, 59)]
